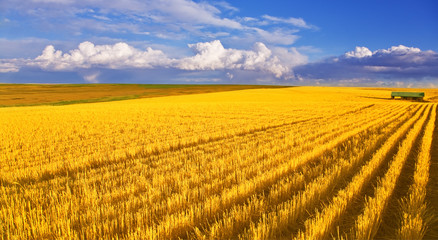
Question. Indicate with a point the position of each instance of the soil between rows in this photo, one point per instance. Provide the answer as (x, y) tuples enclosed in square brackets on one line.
[(432, 187)]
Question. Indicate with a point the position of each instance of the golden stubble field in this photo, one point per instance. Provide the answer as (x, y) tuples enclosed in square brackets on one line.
[(288, 163)]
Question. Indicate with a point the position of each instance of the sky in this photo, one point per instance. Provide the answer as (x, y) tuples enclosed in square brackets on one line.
[(326, 43)]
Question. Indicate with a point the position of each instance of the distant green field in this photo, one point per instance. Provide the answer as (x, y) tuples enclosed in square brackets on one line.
[(12, 95)]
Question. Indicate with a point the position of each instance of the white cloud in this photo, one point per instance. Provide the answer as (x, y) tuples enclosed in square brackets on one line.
[(92, 78), (249, 19), (208, 56), (408, 53), (225, 6), (104, 18), (359, 52), (184, 11), (8, 67), (181, 13), (399, 50), (166, 19), (277, 36), (290, 57), (297, 22), (117, 56), (213, 56)]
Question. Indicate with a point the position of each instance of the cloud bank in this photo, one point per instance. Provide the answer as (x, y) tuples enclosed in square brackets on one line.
[(395, 66), (207, 56), (397, 63)]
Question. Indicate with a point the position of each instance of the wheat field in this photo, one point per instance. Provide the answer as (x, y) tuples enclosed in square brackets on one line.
[(288, 163)]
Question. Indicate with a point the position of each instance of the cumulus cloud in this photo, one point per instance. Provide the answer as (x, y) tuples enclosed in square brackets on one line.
[(213, 56), (119, 55), (399, 50), (208, 56), (359, 52)]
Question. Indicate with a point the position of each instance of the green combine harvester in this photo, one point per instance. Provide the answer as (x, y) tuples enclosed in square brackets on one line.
[(408, 95)]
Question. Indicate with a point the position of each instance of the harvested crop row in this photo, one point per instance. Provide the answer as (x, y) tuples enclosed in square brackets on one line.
[(413, 209), (238, 194), (319, 226), (368, 223), (240, 216), (93, 157), (288, 213), (254, 164), (266, 206)]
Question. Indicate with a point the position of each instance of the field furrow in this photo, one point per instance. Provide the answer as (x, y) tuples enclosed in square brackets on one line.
[(368, 223), (432, 186), (306, 201), (59, 167), (239, 193), (413, 210), (322, 224), (250, 165), (285, 190)]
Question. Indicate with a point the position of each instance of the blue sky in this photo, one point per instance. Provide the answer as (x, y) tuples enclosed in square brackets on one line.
[(339, 43)]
